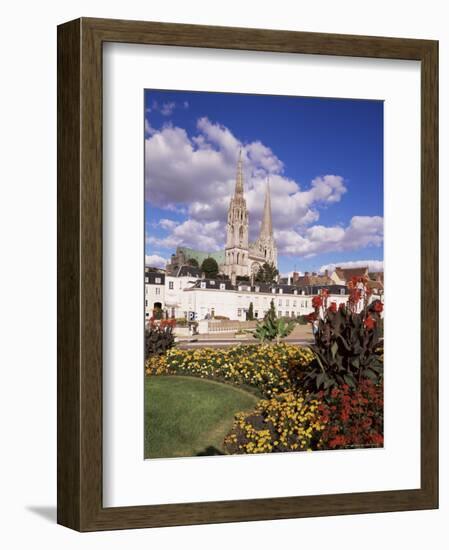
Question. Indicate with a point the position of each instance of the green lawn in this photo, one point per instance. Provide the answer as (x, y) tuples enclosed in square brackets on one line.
[(187, 416)]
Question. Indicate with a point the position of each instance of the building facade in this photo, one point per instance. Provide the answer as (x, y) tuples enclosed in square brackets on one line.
[(242, 258), (191, 298)]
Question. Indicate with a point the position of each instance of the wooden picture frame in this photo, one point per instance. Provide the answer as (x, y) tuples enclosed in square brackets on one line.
[(80, 504)]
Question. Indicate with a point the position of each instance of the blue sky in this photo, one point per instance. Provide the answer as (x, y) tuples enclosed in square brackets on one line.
[(324, 158)]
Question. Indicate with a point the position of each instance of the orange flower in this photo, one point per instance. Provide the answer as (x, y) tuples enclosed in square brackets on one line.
[(370, 323)]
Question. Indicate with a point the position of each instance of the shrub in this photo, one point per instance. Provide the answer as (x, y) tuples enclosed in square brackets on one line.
[(287, 422), (159, 338), (250, 312), (352, 418), (272, 328), (302, 319), (221, 318), (346, 342)]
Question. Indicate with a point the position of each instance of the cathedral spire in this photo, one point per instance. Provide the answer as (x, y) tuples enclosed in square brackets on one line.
[(239, 178), (266, 229)]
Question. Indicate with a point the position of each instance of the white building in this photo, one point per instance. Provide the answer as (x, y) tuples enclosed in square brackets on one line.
[(187, 296)]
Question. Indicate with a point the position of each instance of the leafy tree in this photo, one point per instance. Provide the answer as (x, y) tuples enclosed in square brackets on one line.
[(193, 262), (267, 273), (210, 268), (250, 313)]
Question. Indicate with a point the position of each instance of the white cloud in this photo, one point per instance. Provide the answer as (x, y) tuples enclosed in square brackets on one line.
[(196, 176), (202, 236), (198, 173), (362, 231), (167, 224), (167, 108), (154, 260), (373, 265)]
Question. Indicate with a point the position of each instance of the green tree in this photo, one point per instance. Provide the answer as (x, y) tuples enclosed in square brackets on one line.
[(272, 311), (250, 313), (193, 262), (210, 268), (267, 273)]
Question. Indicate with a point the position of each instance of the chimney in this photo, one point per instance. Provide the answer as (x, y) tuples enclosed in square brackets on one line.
[(306, 273), (326, 273)]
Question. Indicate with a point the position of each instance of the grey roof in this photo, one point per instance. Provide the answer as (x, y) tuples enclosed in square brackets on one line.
[(188, 271), (151, 276), (214, 284)]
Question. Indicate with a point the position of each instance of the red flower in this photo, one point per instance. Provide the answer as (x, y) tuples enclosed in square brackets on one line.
[(370, 323), (333, 307), (317, 301), (378, 306), (311, 317), (341, 306)]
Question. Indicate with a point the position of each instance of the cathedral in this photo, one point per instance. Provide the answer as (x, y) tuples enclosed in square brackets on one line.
[(240, 258), (243, 258)]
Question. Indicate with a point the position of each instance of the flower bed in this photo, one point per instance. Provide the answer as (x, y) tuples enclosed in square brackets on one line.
[(345, 418), (264, 367), (352, 418), (287, 422), (289, 418)]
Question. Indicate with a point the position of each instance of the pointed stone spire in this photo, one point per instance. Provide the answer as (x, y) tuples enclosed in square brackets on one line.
[(239, 178), (266, 229)]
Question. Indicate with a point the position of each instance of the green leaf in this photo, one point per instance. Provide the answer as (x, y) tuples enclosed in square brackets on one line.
[(320, 379), (349, 379), (334, 349)]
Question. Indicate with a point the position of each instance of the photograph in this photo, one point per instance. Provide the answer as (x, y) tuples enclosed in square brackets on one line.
[(264, 273)]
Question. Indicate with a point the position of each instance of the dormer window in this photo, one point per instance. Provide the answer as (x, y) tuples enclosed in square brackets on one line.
[(212, 282), (280, 291), (295, 292), (273, 290), (157, 280), (257, 288), (203, 285), (222, 286)]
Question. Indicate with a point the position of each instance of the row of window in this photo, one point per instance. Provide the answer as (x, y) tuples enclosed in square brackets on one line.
[(242, 312)]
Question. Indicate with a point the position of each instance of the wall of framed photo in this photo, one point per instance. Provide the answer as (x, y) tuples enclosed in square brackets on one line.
[(128, 70)]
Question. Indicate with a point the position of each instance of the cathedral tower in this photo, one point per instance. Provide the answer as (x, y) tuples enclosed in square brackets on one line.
[(265, 242), (236, 250)]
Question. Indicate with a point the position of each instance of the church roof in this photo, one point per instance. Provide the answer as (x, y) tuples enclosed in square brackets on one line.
[(200, 256)]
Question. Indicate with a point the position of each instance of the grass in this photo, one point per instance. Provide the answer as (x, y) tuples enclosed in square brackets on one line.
[(187, 416)]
